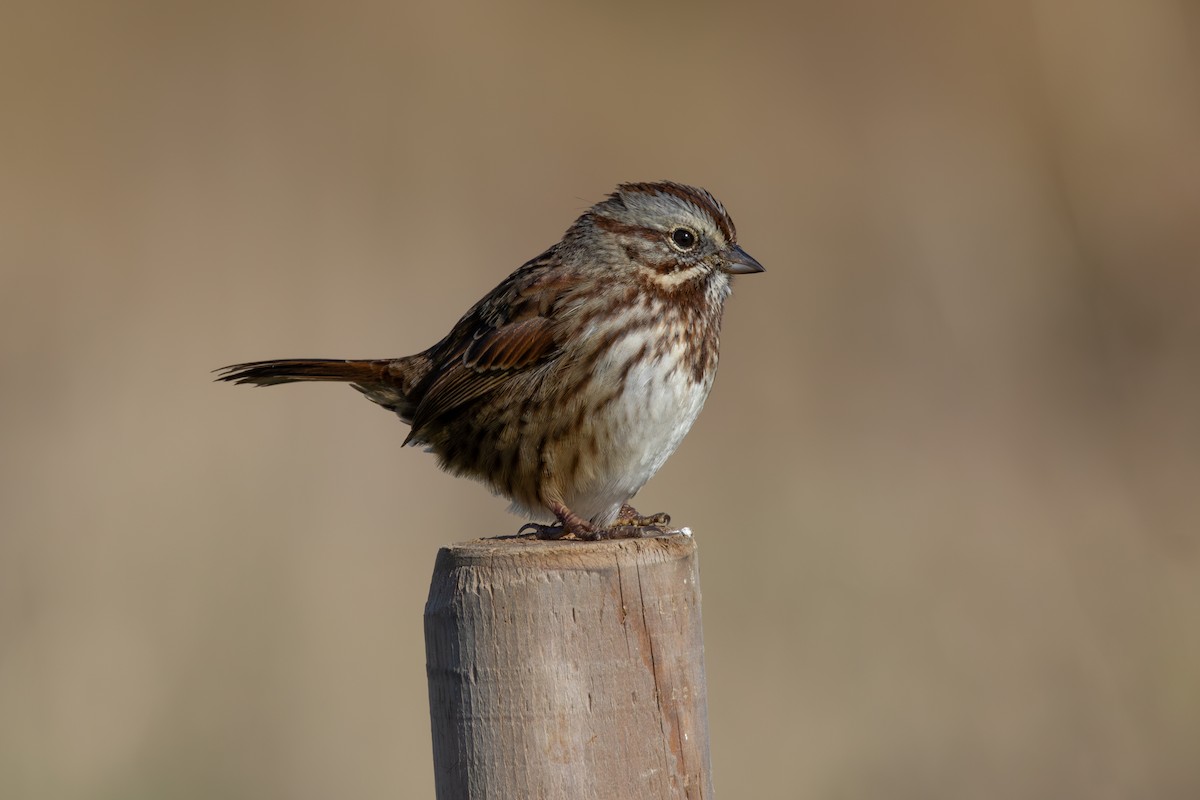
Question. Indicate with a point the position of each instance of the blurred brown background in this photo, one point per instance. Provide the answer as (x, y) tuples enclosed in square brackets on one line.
[(945, 488)]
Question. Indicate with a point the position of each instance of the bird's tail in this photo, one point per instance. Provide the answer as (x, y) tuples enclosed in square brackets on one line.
[(384, 381), (291, 370)]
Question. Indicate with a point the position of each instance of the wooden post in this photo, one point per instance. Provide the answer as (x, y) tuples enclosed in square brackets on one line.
[(568, 670)]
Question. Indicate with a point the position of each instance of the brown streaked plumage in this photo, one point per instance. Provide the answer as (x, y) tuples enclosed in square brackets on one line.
[(568, 385)]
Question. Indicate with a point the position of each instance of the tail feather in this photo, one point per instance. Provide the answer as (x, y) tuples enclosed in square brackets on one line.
[(291, 370), (393, 383)]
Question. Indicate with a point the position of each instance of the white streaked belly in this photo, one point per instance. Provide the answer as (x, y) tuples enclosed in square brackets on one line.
[(640, 430)]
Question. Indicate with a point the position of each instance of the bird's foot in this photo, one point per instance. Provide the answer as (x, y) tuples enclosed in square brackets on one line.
[(632, 525), (628, 515), (629, 524), (558, 531), (569, 524)]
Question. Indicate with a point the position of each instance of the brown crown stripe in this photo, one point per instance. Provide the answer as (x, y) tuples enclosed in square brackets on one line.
[(689, 194)]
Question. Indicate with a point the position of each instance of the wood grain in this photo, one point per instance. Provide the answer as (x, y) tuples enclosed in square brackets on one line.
[(568, 670)]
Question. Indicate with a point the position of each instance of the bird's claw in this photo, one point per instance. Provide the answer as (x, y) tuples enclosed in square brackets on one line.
[(628, 525), (629, 516)]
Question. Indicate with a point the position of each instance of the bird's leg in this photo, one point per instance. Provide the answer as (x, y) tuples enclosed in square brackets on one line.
[(569, 524)]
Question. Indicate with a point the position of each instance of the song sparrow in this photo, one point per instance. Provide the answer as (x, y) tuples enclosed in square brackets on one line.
[(568, 385)]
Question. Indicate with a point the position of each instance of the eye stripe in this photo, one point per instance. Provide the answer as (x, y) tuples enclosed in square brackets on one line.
[(615, 226)]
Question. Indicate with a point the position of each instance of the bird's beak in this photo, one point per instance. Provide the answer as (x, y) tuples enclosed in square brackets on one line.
[(739, 262)]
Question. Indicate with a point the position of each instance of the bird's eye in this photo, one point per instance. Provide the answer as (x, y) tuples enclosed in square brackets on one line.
[(683, 238)]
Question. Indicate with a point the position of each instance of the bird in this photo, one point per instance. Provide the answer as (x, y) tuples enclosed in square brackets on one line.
[(567, 387)]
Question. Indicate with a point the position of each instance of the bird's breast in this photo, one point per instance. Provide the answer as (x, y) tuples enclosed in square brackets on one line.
[(643, 395)]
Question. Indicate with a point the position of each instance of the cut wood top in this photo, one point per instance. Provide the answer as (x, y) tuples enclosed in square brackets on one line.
[(526, 553)]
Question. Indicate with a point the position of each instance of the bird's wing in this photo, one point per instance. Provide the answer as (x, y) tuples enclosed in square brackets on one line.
[(506, 334)]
